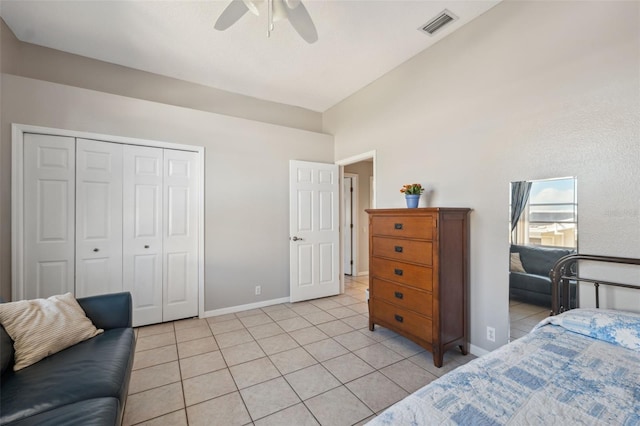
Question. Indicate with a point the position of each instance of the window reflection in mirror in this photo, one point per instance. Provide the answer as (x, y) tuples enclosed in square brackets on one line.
[(549, 216), (543, 228)]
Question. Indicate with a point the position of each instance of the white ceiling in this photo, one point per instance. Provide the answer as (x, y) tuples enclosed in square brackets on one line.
[(359, 41)]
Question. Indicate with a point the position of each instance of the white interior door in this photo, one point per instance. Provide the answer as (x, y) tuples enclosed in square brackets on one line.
[(49, 219), (98, 217), (142, 231), (347, 225), (314, 230), (180, 248)]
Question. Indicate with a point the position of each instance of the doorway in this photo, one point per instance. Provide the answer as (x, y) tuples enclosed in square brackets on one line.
[(350, 222), (358, 171)]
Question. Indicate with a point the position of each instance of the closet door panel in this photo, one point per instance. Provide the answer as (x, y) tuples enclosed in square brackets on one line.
[(142, 231), (146, 279), (181, 234), (98, 217), (49, 205), (177, 279)]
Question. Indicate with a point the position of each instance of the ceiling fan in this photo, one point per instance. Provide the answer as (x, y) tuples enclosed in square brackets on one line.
[(277, 10)]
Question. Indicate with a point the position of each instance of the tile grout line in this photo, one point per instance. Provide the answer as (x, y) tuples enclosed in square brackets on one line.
[(184, 396), (321, 310)]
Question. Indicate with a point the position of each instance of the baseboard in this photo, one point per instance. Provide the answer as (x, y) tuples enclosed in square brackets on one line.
[(477, 351), (240, 308), (362, 273)]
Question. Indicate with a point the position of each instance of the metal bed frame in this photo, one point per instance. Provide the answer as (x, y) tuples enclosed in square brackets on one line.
[(565, 271)]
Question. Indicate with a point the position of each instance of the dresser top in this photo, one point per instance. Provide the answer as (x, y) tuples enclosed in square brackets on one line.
[(418, 211)]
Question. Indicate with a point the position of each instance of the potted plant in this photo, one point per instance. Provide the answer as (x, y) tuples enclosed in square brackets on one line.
[(412, 194)]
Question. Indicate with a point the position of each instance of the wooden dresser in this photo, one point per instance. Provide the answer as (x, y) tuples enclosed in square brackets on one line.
[(418, 275)]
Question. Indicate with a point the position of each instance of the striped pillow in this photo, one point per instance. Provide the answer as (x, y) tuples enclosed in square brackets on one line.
[(42, 327)]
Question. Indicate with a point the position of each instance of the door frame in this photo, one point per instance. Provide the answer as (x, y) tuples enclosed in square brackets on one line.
[(17, 195), (354, 220), (369, 155)]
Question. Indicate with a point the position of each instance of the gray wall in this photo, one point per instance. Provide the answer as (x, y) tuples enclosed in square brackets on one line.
[(529, 90), (42, 63), (248, 144)]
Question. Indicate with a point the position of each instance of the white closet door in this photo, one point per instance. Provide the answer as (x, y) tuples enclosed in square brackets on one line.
[(142, 231), (49, 205), (98, 217), (180, 266)]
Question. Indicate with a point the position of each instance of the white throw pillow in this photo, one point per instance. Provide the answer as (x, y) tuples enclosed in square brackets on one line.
[(42, 327), (516, 263)]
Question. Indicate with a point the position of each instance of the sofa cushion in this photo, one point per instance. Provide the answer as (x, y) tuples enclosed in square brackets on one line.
[(107, 311), (539, 260), (535, 289), (530, 282), (98, 412), (41, 327), (96, 368)]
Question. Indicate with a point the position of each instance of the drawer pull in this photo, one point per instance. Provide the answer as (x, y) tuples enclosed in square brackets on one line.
[(398, 318), (398, 249), (397, 226), (397, 271), (398, 295)]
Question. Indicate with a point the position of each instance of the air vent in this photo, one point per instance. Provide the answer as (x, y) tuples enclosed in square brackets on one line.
[(438, 22)]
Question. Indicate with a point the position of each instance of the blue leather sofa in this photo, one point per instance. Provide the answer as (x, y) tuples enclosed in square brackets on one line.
[(85, 384), (534, 285)]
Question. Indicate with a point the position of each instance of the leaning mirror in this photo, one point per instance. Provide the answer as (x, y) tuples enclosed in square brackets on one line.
[(543, 228)]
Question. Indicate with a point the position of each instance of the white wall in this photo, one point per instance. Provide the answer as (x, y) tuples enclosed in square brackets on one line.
[(246, 172), (529, 90)]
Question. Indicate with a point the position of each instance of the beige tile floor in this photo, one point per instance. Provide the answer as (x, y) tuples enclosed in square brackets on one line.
[(523, 317), (304, 363)]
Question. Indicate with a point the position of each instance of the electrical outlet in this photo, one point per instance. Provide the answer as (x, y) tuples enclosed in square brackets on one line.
[(258, 290), (491, 334)]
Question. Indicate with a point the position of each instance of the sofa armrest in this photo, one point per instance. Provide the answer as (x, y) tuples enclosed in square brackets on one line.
[(108, 310)]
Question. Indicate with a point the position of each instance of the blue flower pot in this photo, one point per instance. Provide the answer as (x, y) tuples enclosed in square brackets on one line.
[(412, 200)]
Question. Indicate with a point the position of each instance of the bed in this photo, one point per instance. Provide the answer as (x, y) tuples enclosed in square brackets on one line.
[(578, 366)]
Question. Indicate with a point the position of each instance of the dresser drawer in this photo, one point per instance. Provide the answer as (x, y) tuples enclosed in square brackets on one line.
[(403, 319), (405, 250), (403, 273), (403, 226), (402, 296)]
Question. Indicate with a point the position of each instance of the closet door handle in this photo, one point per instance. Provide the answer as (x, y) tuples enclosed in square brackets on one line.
[(398, 295), (146, 246), (397, 226), (96, 250), (399, 318), (398, 249), (398, 271)]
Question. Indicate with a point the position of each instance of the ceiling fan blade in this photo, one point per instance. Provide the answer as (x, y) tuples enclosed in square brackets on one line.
[(229, 16), (292, 3), (252, 5), (302, 23), (279, 10)]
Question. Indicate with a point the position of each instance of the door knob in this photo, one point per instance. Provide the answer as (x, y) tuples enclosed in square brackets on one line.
[(146, 246), (297, 239), (96, 250)]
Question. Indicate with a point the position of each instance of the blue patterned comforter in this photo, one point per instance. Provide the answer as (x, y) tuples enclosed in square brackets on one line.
[(580, 367)]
